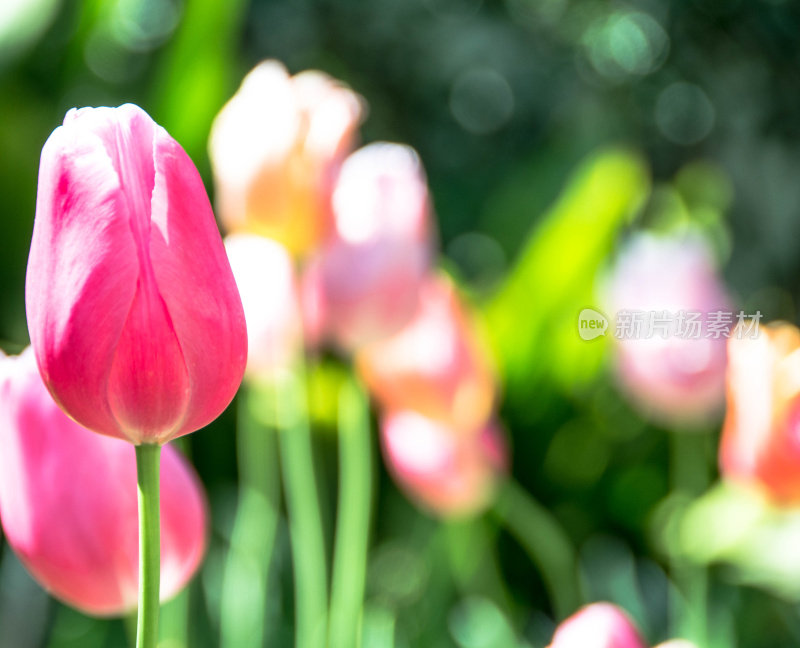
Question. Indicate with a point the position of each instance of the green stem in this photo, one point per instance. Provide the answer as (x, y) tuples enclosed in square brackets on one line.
[(147, 478), (352, 524), (305, 521), (545, 541), (245, 582), (689, 467)]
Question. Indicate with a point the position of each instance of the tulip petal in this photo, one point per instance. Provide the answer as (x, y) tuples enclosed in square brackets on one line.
[(148, 388), (69, 506), (195, 281), (82, 273)]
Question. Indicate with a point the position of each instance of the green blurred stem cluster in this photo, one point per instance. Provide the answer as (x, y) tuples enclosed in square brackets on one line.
[(273, 434)]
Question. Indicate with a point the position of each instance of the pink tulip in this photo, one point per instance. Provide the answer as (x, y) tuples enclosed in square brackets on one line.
[(759, 444), (275, 148), (435, 365), (265, 277), (68, 501), (370, 270), (132, 307), (444, 470), (677, 377), (599, 625)]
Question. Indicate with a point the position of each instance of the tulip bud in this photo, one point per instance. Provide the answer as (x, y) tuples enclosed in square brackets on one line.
[(759, 437), (265, 277), (675, 374), (132, 308), (599, 625), (275, 148), (435, 365), (372, 267), (444, 470), (69, 507)]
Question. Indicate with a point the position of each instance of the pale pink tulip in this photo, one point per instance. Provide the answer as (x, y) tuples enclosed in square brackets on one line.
[(265, 277), (68, 501), (275, 148), (673, 373), (132, 307), (759, 444), (444, 470), (599, 625), (436, 365), (370, 270)]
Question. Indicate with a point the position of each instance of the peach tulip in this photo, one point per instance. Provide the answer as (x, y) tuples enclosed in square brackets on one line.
[(599, 625), (68, 501), (759, 443), (436, 365), (370, 270), (444, 470), (265, 277), (275, 148), (675, 374), (132, 308)]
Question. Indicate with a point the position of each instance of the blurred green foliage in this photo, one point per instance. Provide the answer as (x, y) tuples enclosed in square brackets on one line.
[(518, 109)]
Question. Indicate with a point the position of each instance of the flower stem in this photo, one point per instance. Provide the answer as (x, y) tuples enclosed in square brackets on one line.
[(147, 478), (352, 524), (245, 584), (545, 541), (689, 467), (305, 521)]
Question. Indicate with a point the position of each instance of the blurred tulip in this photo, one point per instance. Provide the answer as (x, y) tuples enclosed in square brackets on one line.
[(676, 376), (759, 442), (370, 270), (69, 507), (444, 470), (275, 148), (599, 625), (265, 277), (436, 365), (132, 308)]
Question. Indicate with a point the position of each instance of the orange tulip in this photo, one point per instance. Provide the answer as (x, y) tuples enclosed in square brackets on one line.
[(760, 445), (275, 148)]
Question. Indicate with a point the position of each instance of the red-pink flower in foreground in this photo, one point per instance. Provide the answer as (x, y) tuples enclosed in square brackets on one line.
[(265, 277), (132, 308), (444, 470), (370, 270), (436, 365), (68, 501), (760, 444), (275, 148), (674, 371), (599, 625)]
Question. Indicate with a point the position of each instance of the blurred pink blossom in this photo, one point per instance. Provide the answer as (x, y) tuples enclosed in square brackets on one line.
[(444, 470), (369, 271), (69, 507), (599, 625), (265, 278), (677, 378), (436, 365)]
